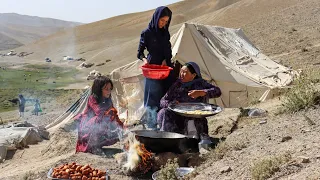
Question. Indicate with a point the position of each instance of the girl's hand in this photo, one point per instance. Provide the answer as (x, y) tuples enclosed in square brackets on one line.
[(196, 93), (164, 63)]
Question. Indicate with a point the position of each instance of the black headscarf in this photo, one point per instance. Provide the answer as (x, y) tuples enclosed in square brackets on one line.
[(160, 12)]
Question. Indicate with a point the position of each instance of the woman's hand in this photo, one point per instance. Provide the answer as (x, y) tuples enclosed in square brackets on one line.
[(196, 93), (145, 60), (164, 63)]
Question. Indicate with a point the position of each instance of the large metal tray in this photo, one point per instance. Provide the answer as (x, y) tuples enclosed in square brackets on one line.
[(184, 109), (49, 175)]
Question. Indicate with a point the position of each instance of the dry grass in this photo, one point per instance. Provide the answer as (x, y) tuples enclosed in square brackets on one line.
[(5, 121), (265, 168), (223, 148), (28, 175), (169, 171), (303, 95), (239, 145), (220, 151)]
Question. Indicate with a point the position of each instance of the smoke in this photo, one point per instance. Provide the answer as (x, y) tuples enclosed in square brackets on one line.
[(133, 157), (102, 132), (137, 159), (149, 117)]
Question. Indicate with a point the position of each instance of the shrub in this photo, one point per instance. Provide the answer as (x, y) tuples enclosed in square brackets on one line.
[(169, 171), (265, 168), (302, 95)]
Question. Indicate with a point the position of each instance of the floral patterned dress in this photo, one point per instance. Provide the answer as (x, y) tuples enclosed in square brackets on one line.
[(99, 125), (171, 122)]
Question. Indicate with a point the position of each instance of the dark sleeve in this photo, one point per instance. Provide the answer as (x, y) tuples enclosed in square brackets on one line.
[(15, 101), (211, 90), (167, 50), (142, 45), (168, 97)]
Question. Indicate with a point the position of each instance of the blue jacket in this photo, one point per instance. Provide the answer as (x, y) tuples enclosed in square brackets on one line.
[(156, 40)]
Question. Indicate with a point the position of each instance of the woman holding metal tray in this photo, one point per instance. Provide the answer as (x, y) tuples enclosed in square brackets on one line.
[(190, 87)]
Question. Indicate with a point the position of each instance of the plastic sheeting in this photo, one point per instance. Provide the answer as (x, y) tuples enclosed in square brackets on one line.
[(19, 137)]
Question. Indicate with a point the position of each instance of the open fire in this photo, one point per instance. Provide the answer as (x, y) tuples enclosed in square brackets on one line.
[(136, 160), (139, 159)]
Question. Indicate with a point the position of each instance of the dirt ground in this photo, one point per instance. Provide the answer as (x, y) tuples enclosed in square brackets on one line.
[(249, 142), (287, 31)]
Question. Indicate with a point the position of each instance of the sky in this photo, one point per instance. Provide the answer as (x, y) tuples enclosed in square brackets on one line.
[(84, 11)]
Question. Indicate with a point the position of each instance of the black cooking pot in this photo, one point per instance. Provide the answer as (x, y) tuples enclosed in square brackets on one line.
[(160, 141)]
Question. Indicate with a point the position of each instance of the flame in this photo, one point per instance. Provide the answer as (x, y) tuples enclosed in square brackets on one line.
[(138, 157), (145, 163)]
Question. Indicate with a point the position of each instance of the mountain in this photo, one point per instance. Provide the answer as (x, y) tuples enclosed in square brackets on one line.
[(17, 30), (115, 38), (276, 27)]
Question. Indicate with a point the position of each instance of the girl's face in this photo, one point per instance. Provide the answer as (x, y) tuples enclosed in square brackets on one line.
[(186, 75), (106, 90), (163, 21)]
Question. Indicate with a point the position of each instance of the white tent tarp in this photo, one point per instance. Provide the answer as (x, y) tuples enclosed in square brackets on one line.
[(229, 60), (74, 109), (14, 137), (128, 83)]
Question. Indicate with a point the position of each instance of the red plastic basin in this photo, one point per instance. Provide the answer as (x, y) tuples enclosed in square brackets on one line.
[(153, 71)]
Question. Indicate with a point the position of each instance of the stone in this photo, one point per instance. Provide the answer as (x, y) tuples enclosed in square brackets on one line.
[(225, 169), (195, 160), (269, 137), (286, 138), (305, 130), (203, 151), (303, 159), (263, 122)]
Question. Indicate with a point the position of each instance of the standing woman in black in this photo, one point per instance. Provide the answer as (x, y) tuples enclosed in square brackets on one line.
[(156, 39)]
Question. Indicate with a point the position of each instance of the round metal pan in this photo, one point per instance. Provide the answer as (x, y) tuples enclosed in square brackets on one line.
[(160, 141), (183, 108), (159, 134)]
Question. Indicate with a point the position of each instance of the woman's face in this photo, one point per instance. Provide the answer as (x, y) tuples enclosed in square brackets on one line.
[(163, 21), (186, 75), (106, 90)]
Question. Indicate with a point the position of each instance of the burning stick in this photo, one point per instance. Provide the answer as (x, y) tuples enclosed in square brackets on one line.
[(138, 157), (145, 163)]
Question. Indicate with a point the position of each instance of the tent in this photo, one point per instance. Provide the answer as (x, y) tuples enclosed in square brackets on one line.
[(76, 108), (25, 134), (226, 58), (128, 83), (19, 135), (229, 60)]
